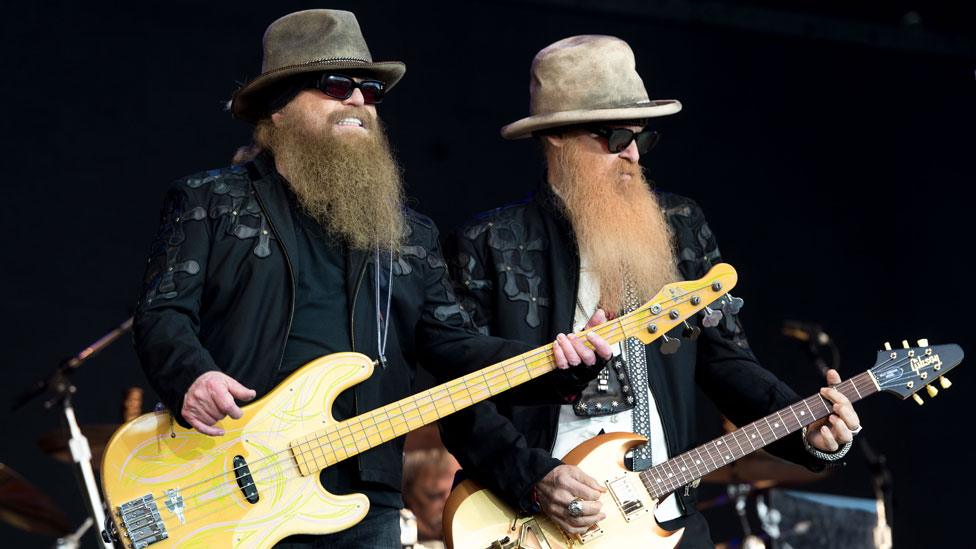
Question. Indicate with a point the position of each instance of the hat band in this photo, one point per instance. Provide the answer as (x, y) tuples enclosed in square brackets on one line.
[(603, 107), (320, 61)]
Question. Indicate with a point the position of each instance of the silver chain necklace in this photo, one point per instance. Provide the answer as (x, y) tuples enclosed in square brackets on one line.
[(382, 332)]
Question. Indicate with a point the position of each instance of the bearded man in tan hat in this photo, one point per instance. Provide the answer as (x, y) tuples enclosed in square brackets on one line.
[(304, 251), (595, 236)]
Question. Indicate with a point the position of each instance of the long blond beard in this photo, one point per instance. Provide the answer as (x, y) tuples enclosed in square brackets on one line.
[(619, 225), (351, 185)]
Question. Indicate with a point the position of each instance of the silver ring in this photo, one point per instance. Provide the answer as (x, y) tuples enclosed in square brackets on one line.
[(858, 430), (575, 508)]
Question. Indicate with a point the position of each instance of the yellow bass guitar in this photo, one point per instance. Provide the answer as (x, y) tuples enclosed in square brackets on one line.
[(173, 487)]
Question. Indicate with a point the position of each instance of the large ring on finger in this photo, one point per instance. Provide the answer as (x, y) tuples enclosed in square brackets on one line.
[(575, 508), (858, 430)]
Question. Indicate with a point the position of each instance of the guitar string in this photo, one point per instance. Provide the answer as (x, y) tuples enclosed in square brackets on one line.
[(289, 475), (712, 459), (497, 372), (674, 481)]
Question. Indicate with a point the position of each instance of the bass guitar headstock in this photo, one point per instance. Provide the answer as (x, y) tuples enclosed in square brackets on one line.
[(678, 302)]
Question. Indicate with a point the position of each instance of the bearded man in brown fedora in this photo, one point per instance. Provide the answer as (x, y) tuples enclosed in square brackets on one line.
[(304, 251), (597, 236)]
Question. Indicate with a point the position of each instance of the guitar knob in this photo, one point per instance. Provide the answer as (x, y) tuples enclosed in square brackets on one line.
[(691, 332), (923, 343), (732, 305), (944, 382), (931, 390), (887, 346), (670, 345), (904, 343), (918, 399), (712, 318)]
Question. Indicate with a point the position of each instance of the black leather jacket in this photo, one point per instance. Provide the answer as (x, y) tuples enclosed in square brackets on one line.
[(516, 269), (219, 295)]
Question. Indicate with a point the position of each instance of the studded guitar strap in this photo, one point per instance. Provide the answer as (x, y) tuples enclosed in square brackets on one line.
[(636, 360)]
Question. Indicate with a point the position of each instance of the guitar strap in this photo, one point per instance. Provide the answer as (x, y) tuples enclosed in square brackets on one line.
[(636, 360)]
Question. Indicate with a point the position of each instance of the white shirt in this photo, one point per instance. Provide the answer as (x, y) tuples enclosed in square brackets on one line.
[(574, 430)]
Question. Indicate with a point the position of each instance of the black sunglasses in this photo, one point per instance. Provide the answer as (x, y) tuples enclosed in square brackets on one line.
[(341, 87), (619, 139)]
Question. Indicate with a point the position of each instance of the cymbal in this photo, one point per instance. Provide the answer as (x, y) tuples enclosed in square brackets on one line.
[(55, 443), (762, 470), (24, 506)]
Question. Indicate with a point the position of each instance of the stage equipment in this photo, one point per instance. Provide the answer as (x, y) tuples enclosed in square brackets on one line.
[(23, 506), (881, 477), (804, 520), (57, 443), (474, 517), (59, 385), (259, 482)]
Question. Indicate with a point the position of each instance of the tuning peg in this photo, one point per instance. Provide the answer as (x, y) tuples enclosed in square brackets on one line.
[(931, 390), (923, 343), (887, 346), (711, 318), (944, 382), (732, 305), (691, 332), (918, 399), (904, 343), (669, 345)]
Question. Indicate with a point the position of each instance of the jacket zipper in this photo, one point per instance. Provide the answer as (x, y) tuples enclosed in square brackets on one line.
[(291, 278), (352, 308)]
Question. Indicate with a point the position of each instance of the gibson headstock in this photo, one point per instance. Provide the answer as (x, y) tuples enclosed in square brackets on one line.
[(905, 371)]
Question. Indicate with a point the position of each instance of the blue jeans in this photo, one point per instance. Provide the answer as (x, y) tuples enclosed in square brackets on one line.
[(379, 530)]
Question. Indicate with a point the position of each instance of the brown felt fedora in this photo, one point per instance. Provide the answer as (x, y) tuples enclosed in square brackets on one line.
[(584, 79), (310, 41)]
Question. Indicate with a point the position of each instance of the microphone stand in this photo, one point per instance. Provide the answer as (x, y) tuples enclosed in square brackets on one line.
[(59, 384), (877, 463)]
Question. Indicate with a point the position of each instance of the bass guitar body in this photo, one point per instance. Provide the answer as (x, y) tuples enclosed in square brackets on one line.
[(169, 486), (474, 518)]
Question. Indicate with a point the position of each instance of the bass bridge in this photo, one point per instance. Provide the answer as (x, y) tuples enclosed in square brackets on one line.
[(142, 523)]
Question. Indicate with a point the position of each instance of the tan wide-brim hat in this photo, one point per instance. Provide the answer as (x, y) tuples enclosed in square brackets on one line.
[(584, 79), (310, 41)]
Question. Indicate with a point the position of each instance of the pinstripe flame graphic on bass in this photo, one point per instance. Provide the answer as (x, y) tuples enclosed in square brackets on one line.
[(169, 486)]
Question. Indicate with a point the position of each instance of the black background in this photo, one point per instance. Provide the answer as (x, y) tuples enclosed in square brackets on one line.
[(836, 175)]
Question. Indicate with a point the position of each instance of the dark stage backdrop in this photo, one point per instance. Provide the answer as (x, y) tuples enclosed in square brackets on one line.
[(836, 176)]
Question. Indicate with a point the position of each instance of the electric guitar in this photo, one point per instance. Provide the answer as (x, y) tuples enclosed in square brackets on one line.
[(476, 518), (259, 483)]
